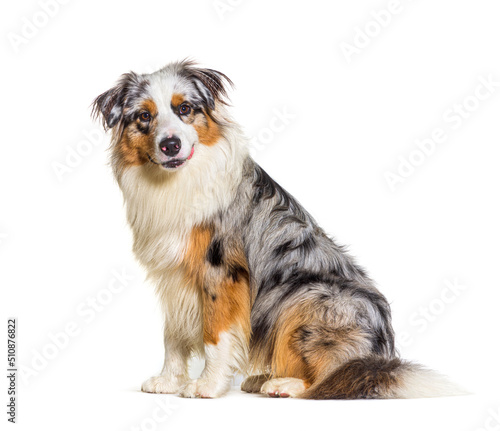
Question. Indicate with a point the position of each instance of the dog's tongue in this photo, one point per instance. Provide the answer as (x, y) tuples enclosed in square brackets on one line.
[(192, 151)]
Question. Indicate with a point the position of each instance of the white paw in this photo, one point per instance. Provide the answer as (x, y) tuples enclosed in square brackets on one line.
[(283, 387), (163, 384), (204, 388)]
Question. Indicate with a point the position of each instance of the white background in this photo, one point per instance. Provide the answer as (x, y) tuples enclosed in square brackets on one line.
[(62, 238)]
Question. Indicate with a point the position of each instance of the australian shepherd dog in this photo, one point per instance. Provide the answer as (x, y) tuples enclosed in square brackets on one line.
[(245, 276)]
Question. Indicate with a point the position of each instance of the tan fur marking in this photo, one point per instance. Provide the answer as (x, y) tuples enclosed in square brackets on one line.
[(227, 305), (177, 99), (226, 295), (287, 361), (194, 258), (207, 129), (132, 148), (150, 106)]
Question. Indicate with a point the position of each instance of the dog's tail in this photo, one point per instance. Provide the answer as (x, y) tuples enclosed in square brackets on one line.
[(378, 377)]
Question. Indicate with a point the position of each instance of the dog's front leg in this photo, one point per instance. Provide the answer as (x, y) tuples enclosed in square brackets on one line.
[(226, 332), (220, 365), (182, 334)]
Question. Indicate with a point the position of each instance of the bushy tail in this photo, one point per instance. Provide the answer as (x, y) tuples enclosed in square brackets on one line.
[(377, 377)]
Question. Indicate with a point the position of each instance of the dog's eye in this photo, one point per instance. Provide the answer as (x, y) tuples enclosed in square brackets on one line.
[(184, 109), (145, 116)]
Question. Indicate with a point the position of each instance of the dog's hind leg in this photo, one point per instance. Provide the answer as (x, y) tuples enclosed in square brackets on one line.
[(309, 342)]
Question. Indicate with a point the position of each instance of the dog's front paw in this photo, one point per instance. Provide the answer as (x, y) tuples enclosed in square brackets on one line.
[(204, 388), (163, 384)]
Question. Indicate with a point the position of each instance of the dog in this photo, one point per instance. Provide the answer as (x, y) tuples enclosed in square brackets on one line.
[(245, 276)]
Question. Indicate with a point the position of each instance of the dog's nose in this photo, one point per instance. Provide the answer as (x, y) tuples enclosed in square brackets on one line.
[(170, 146)]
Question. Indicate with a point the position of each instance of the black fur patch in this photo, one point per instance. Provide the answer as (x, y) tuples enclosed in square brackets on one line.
[(143, 128), (306, 246), (298, 279), (261, 330), (215, 253), (237, 272), (265, 187), (379, 341), (283, 248)]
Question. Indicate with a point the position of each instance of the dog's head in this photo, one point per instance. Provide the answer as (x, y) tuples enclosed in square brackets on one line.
[(159, 118)]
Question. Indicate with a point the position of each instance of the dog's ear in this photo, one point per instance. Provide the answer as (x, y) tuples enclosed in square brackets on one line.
[(110, 104), (211, 85)]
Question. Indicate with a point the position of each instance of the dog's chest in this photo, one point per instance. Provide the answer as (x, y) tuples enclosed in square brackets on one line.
[(163, 219), (161, 237)]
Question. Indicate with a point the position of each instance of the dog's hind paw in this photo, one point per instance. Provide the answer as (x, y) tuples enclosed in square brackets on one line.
[(283, 387)]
